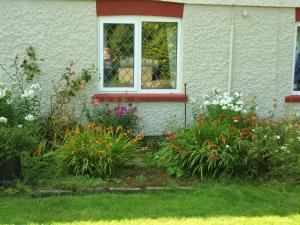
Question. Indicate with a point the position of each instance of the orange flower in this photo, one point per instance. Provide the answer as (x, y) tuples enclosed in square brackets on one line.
[(213, 145), (182, 152), (236, 118), (172, 138), (223, 139), (38, 152), (216, 121)]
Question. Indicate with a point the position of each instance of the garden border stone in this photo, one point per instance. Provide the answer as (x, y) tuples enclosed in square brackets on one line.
[(122, 190)]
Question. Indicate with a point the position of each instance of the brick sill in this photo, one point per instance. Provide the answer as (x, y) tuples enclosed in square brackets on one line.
[(122, 97), (292, 99)]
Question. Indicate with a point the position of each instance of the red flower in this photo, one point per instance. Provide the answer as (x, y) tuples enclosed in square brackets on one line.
[(168, 134)]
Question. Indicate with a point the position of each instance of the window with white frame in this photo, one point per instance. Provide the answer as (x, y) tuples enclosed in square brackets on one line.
[(139, 54), (296, 86)]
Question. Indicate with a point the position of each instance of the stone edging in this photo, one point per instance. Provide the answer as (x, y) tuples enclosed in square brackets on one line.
[(122, 190)]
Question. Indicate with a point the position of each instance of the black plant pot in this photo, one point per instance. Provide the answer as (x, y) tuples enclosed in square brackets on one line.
[(11, 169)]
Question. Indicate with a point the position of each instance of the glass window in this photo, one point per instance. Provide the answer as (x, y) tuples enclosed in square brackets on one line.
[(118, 54), (139, 54), (297, 63), (159, 55)]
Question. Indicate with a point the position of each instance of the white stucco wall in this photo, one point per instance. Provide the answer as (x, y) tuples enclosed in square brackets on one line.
[(61, 31)]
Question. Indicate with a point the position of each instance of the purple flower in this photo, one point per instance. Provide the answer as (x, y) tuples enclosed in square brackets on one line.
[(120, 113), (132, 110)]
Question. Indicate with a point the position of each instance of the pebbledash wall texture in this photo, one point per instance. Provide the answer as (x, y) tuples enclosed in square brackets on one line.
[(259, 35)]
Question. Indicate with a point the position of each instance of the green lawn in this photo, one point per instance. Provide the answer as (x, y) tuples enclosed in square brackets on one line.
[(209, 203)]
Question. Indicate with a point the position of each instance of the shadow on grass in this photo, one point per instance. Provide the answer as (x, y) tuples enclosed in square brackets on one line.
[(208, 200)]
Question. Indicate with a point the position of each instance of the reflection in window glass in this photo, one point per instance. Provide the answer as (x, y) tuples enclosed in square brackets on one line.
[(159, 55), (297, 63), (118, 55)]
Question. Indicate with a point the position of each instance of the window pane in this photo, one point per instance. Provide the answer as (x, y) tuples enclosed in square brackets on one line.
[(118, 55), (297, 63), (159, 55)]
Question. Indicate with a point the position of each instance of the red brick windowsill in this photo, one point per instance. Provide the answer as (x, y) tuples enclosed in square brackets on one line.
[(122, 97), (292, 99)]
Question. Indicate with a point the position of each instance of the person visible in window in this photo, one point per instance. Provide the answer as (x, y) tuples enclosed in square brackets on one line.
[(109, 65), (297, 74)]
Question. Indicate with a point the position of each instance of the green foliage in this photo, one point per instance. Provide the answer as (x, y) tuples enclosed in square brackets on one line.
[(273, 152), (160, 45), (20, 102), (96, 151), (177, 171), (15, 141), (228, 139), (114, 116)]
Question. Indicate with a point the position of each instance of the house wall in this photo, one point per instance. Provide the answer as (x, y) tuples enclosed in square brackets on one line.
[(61, 31)]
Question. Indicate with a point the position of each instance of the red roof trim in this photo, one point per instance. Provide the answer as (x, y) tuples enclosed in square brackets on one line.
[(139, 7), (139, 98), (297, 17), (292, 99)]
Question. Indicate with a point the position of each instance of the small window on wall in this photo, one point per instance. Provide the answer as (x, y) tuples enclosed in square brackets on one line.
[(139, 54), (296, 87)]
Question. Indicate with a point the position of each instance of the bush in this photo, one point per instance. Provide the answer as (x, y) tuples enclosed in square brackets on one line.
[(15, 141), (212, 145), (96, 151), (120, 115), (229, 138), (274, 148)]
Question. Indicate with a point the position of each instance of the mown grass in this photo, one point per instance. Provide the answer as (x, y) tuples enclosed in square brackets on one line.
[(210, 203)]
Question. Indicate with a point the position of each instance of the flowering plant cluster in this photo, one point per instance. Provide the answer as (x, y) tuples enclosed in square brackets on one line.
[(119, 115), (97, 150), (229, 137), (19, 106)]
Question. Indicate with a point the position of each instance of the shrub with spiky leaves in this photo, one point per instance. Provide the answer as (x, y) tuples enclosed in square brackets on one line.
[(96, 150)]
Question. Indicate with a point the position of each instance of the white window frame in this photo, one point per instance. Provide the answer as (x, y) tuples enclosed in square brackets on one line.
[(294, 59), (137, 21)]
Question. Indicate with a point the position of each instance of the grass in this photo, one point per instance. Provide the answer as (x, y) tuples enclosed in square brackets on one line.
[(209, 203)]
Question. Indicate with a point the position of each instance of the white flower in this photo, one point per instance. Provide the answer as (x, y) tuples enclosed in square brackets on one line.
[(224, 107), (20, 126), (206, 103), (278, 137), (283, 147), (235, 121), (36, 87), (3, 91), (3, 119), (8, 101), (29, 118), (227, 146), (28, 94), (237, 94), (265, 136)]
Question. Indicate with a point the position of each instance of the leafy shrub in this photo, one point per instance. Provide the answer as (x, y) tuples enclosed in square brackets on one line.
[(119, 115), (273, 152), (20, 101), (229, 138), (15, 141), (212, 145), (97, 151)]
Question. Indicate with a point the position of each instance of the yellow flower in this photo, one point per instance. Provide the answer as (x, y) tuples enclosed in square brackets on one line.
[(109, 146), (139, 137)]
